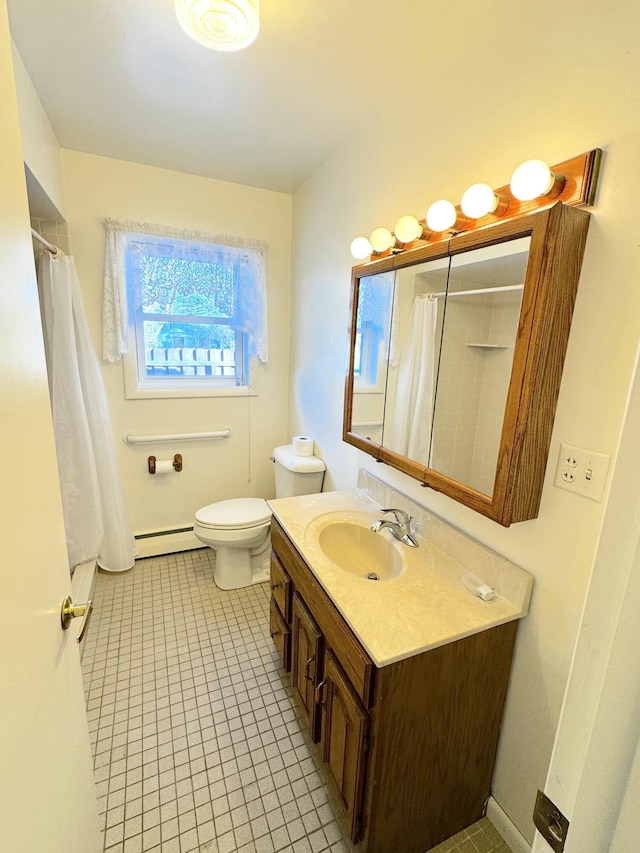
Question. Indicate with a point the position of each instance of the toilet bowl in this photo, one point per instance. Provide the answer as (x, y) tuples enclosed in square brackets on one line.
[(238, 530)]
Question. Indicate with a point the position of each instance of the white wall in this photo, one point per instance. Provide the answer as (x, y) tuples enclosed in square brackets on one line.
[(40, 148), (546, 80), (593, 776), (98, 187)]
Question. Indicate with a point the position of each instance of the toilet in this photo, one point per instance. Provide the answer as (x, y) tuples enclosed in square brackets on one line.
[(238, 530)]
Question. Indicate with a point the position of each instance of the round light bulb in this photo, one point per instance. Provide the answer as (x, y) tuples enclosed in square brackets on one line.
[(478, 200), (382, 239), (531, 179), (441, 215), (361, 248), (407, 229), (220, 24)]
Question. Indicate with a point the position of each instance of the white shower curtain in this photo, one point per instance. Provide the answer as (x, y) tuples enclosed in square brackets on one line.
[(95, 513), (413, 407)]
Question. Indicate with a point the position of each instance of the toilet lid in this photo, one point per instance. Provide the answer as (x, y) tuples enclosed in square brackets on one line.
[(235, 513)]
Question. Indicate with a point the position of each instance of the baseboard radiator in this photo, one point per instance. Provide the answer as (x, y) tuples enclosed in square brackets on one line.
[(152, 543)]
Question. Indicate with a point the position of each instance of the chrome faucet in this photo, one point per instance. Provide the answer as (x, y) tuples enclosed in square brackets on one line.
[(400, 528)]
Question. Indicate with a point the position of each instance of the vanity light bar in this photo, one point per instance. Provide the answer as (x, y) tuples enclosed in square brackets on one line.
[(533, 186)]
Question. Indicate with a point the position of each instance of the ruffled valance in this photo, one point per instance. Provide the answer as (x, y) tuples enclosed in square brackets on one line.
[(250, 292)]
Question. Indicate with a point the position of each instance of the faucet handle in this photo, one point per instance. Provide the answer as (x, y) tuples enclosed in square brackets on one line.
[(402, 517)]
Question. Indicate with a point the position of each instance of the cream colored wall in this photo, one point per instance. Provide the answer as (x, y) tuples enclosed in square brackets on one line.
[(40, 148), (546, 80), (97, 187)]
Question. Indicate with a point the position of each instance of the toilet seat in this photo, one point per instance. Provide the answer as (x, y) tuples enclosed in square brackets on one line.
[(235, 514)]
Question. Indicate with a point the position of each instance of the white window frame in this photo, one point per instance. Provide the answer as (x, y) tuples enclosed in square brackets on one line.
[(140, 386)]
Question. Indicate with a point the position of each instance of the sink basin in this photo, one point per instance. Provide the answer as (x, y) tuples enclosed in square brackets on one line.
[(356, 549)]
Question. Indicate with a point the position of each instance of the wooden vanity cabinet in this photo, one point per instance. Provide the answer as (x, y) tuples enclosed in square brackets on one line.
[(410, 746)]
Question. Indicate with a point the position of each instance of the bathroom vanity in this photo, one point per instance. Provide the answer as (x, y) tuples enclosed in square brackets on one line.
[(402, 681)]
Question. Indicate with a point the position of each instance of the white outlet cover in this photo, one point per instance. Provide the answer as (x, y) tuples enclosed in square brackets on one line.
[(581, 471)]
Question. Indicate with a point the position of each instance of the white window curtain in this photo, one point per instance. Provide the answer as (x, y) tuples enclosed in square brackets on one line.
[(251, 313)]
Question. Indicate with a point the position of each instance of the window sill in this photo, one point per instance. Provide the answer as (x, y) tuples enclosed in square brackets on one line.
[(142, 393)]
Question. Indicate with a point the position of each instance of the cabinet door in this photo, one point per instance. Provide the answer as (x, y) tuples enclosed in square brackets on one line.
[(280, 635), (344, 741), (306, 665)]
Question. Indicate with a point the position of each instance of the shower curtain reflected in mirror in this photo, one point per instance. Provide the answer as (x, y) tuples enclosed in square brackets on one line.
[(410, 433), (95, 513)]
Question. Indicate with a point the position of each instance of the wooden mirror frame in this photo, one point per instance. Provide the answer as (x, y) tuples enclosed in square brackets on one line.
[(558, 236)]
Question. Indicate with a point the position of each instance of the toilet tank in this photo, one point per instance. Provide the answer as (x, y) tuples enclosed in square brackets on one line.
[(297, 475)]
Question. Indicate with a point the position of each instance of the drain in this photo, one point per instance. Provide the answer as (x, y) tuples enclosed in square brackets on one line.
[(372, 576)]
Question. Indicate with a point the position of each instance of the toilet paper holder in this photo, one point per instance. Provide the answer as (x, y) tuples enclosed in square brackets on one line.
[(177, 463)]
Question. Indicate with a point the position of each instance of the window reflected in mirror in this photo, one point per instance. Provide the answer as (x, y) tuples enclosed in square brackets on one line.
[(372, 348)]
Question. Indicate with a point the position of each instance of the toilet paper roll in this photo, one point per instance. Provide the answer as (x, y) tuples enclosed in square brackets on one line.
[(164, 466), (302, 445)]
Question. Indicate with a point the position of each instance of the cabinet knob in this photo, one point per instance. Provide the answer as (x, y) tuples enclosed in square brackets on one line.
[(275, 586), (274, 634)]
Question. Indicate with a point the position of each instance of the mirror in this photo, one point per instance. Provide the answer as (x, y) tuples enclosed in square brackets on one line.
[(371, 350), (448, 356), (481, 309)]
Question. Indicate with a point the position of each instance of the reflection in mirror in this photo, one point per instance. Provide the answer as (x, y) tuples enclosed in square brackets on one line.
[(480, 322), (412, 375), (372, 350)]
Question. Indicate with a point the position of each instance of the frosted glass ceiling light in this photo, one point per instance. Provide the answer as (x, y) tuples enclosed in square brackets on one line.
[(478, 201), (361, 248), (408, 229), (220, 24), (382, 239), (532, 179), (441, 216)]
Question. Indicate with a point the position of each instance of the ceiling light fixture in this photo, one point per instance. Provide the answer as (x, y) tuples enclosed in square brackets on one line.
[(220, 24)]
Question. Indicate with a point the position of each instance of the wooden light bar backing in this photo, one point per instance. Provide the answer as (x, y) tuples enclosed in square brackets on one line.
[(580, 174)]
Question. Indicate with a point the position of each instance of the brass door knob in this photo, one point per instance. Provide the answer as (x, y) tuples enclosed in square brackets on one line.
[(71, 611)]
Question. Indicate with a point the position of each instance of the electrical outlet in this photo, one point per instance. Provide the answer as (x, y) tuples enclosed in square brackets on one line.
[(582, 471)]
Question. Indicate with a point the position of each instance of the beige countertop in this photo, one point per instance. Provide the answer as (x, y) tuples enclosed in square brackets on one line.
[(426, 605)]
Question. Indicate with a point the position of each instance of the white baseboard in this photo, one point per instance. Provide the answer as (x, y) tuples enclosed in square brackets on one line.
[(506, 828), (167, 543)]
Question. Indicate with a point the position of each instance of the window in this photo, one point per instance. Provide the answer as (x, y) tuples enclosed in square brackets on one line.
[(195, 308), (372, 332)]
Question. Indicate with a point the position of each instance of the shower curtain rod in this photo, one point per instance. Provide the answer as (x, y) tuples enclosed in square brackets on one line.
[(477, 292), (48, 246)]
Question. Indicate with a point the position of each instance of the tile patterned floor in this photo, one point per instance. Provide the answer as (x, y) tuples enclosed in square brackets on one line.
[(198, 744)]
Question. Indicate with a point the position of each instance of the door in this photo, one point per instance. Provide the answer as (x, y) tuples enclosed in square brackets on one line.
[(306, 665), (344, 741), (47, 794)]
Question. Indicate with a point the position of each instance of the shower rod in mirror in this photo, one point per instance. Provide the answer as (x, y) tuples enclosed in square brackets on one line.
[(533, 186)]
